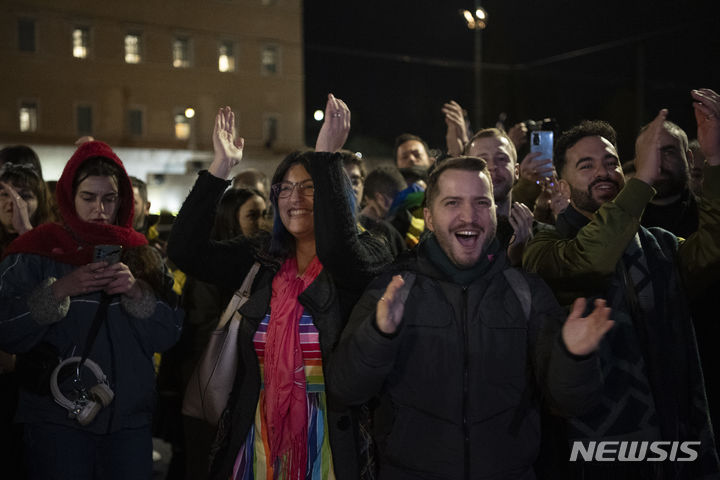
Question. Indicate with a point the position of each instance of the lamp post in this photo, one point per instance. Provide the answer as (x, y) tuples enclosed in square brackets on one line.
[(477, 21)]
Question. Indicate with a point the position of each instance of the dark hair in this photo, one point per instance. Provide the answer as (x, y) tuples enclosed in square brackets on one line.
[(21, 154), (586, 128), (491, 133), (26, 176), (351, 158), (282, 243), (141, 186), (470, 164), (385, 179), (406, 137), (226, 218), (250, 177)]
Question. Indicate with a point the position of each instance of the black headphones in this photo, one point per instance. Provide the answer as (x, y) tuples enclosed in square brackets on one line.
[(88, 403)]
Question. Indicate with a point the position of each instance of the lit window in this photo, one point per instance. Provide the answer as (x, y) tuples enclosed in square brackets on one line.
[(135, 122), (26, 35), (181, 52), (27, 116), (226, 57), (182, 126), (132, 48), (269, 59), (84, 119), (81, 42)]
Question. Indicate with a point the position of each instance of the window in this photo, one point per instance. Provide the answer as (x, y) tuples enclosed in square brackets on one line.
[(132, 48), (80, 42), (270, 130), (26, 35), (135, 122), (182, 126), (27, 116), (226, 57), (270, 59), (84, 119), (181, 52)]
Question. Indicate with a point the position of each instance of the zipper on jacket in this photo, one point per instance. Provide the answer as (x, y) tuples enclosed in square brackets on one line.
[(466, 385)]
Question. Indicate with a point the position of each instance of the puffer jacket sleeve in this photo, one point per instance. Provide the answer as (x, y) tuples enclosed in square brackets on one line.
[(569, 383), (364, 357)]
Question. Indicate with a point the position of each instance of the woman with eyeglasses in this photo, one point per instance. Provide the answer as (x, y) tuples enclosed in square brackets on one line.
[(278, 422)]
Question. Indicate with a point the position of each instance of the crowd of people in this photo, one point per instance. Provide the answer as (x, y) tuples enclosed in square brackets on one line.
[(479, 311)]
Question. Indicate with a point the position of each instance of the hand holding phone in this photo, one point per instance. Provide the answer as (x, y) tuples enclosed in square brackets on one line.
[(542, 141)]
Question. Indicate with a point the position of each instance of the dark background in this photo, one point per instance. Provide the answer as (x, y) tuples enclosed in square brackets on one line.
[(395, 63)]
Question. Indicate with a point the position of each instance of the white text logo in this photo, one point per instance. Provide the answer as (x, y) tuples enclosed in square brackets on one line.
[(635, 451)]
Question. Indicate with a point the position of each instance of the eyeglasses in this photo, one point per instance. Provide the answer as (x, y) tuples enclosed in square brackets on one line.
[(285, 189)]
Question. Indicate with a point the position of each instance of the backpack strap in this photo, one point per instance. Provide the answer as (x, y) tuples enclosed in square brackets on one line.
[(520, 286)]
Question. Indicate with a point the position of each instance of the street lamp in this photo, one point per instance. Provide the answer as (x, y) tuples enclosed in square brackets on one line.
[(477, 21)]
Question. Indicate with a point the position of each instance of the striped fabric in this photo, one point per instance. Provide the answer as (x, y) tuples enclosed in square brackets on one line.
[(253, 460)]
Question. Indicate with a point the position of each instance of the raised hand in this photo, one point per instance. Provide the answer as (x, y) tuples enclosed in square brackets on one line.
[(707, 116), (227, 148), (521, 220), (336, 127), (456, 136), (391, 305), (648, 156), (535, 169), (582, 335), (20, 214)]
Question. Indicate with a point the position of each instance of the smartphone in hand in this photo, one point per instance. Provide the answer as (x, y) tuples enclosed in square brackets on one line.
[(107, 253), (542, 141)]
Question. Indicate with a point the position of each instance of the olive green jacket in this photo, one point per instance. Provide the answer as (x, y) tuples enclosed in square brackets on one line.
[(582, 265)]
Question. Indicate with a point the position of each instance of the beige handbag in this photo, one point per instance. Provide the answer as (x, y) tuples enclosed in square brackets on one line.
[(212, 379)]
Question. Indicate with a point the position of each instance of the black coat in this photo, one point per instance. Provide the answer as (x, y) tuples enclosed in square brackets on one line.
[(459, 384), (350, 260)]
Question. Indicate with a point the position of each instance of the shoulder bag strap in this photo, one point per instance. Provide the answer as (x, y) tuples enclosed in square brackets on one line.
[(239, 297)]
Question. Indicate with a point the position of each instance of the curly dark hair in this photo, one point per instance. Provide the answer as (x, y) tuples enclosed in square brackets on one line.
[(586, 128)]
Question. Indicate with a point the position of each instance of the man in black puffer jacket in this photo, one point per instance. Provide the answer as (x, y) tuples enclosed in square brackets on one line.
[(457, 346)]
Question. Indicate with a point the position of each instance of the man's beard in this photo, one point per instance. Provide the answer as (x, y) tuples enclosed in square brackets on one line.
[(674, 185), (583, 199)]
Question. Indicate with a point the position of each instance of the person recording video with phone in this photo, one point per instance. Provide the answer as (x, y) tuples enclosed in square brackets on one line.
[(85, 303)]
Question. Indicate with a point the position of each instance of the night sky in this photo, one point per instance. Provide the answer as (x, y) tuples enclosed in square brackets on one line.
[(397, 62)]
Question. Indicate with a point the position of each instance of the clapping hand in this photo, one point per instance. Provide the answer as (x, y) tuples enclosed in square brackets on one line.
[(391, 306), (228, 149), (707, 116), (648, 156), (582, 335), (456, 136), (336, 127)]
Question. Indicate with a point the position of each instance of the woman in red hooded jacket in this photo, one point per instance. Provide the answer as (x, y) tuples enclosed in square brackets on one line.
[(59, 306)]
